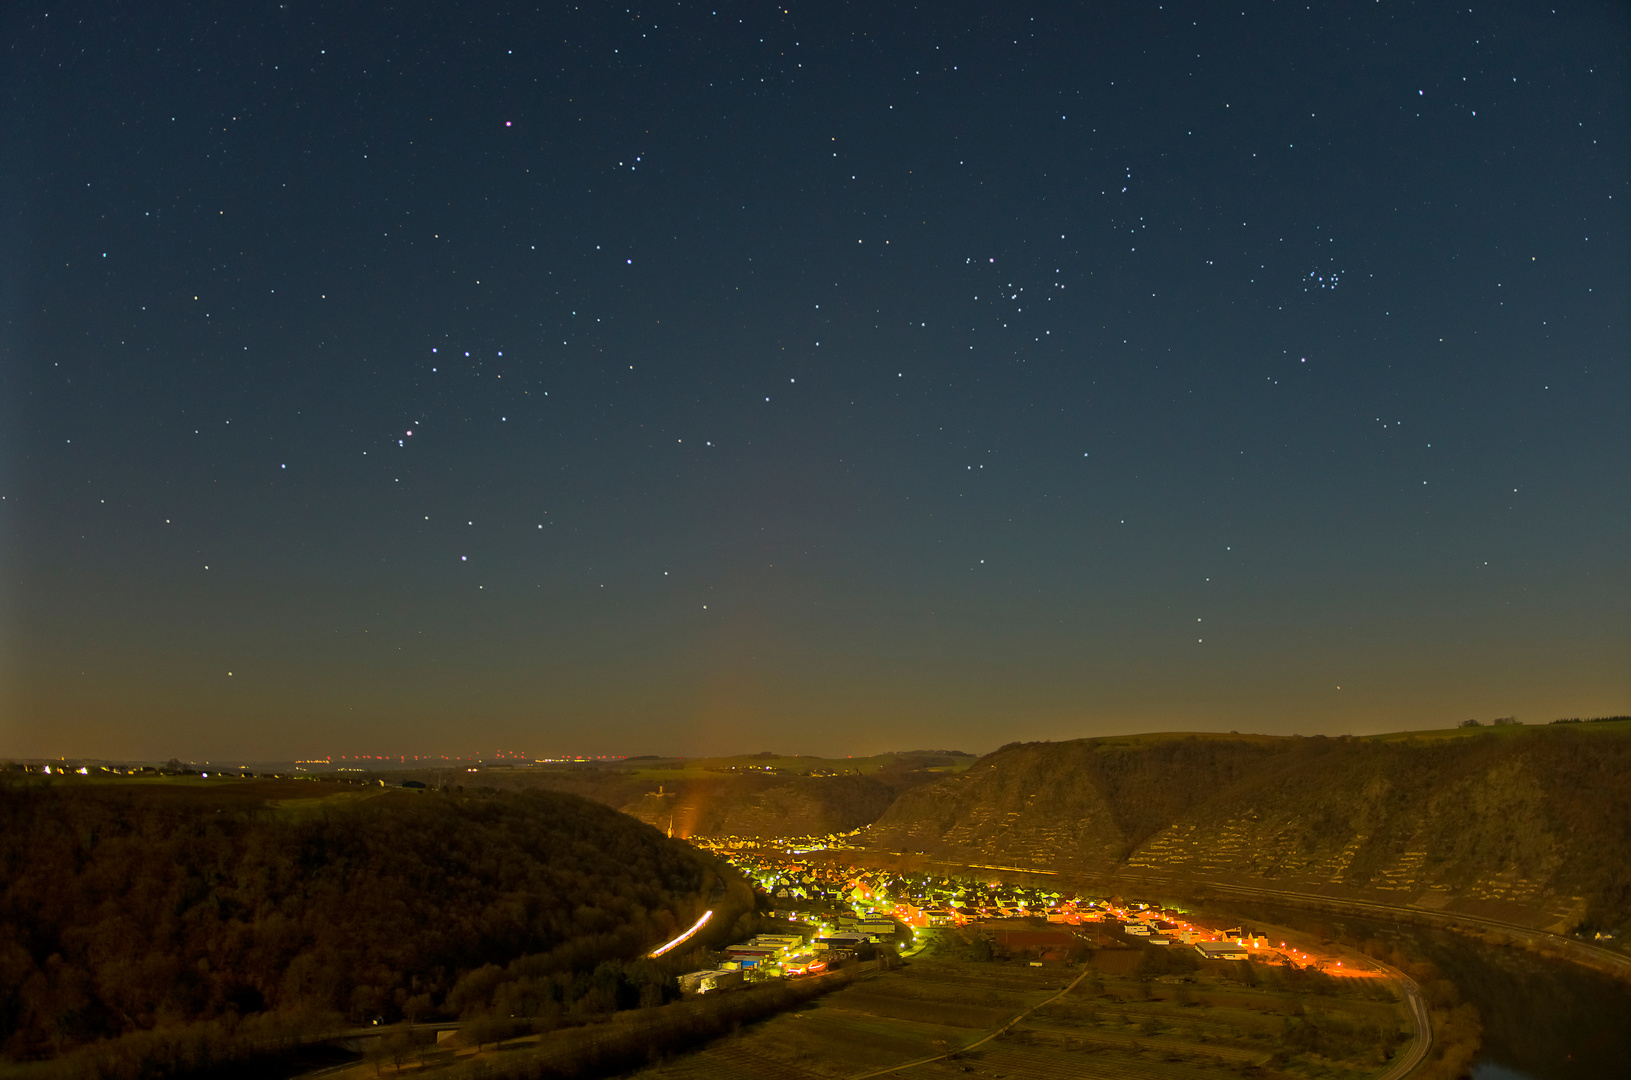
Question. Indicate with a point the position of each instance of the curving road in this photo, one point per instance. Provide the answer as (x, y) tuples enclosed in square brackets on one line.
[(1416, 1052)]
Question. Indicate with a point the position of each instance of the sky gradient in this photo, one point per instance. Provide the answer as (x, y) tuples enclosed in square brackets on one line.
[(825, 379)]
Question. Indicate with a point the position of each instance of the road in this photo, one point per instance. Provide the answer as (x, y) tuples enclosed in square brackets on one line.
[(354, 1035), (1416, 1052), (1543, 941), (376, 1030)]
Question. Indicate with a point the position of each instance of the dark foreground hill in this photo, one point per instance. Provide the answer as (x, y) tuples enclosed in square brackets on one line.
[(1525, 825), (130, 908)]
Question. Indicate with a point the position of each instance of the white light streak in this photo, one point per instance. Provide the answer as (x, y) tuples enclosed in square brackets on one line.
[(706, 915)]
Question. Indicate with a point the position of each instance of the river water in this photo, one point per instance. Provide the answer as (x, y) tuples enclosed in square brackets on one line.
[(1543, 1019)]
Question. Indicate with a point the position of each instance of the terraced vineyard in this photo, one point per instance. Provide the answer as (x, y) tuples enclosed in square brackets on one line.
[(1208, 1024)]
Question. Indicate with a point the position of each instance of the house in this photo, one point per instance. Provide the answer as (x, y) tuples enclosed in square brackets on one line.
[(839, 941), (722, 980), (707, 982), (1221, 950), (692, 980), (753, 955)]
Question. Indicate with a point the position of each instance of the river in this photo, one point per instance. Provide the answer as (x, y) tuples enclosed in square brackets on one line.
[(1543, 1019)]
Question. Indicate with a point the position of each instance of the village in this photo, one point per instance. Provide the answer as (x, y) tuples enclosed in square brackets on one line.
[(837, 912)]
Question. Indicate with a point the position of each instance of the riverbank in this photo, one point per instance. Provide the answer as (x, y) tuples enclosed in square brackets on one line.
[(1185, 890), (1537, 1018), (1489, 931)]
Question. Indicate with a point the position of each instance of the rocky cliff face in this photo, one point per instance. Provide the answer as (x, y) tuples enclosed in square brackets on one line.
[(1532, 826)]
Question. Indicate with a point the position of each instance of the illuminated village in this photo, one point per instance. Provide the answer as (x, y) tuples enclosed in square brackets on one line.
[(839, 911)]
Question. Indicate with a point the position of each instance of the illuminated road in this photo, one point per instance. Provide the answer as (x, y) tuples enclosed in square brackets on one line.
[(1543, 941), (706, 915)]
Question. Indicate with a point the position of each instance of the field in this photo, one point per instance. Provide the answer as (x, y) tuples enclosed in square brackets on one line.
[(1114, 1023)]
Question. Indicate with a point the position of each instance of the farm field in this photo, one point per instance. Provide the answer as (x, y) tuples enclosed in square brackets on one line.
[(1116, 1022)]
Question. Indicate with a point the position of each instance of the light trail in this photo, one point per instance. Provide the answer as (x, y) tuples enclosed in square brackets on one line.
[(706, 915)]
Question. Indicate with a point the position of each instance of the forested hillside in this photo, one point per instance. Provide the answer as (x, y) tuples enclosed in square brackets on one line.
[(1528, 825), (129, 908), (800, 806), (732, 796)]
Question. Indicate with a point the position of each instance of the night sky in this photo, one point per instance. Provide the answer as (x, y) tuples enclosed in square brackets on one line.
[(824, 378)]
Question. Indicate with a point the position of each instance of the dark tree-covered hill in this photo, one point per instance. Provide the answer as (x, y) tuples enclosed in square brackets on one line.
[(130, 908)]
